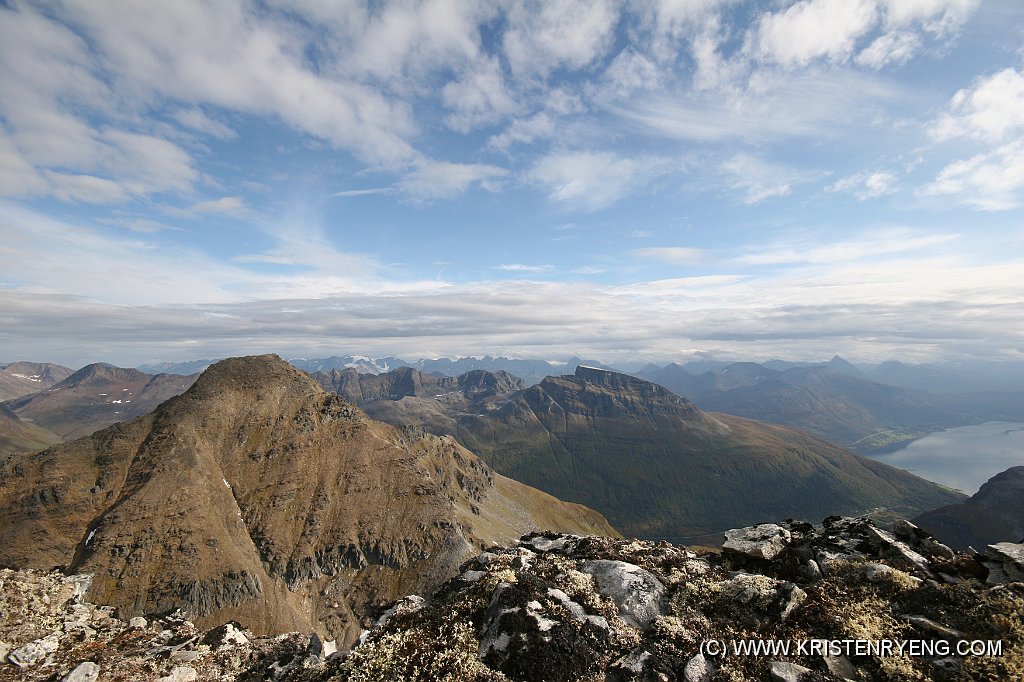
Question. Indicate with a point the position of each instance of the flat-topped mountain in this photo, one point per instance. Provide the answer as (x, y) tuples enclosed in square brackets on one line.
[(259, 497), (96, 396), (21, 378), (406, 396), (658, 467), (993, 514)]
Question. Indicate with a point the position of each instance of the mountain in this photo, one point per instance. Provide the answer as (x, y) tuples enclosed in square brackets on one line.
[(21, 378), (256, 496), (835, 402), (658, 467), (406, 396), (993, 514), (96, 396), (187, 367), (950, 377), (360, 363), (17, 436)]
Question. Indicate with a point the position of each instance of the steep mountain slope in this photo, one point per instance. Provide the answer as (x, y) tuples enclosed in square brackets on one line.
[(657, 466), (96, 396), (832, 401), (993, 514), (406, 396), (21, 378), (18, 436), (257, 496)]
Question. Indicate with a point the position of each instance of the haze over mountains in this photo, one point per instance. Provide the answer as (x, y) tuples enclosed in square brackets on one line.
[(257, 496)]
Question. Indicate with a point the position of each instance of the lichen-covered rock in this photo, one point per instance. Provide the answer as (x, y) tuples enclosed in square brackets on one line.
[(764, 541), (543, 610)]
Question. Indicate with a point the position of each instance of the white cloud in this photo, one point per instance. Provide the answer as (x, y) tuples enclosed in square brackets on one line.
[(759, 179), (868, 246), (938, 17), (196, 119), (812, 29), (234, 206), (593, 180), (991, 181), (479, 97), (866, 186), (895, 47), (674, 255), (520, 267), (552, 34), (990, 110), (443, 180)]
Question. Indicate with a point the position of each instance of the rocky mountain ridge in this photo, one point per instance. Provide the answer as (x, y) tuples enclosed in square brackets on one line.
[(21, 378), (257, 496)]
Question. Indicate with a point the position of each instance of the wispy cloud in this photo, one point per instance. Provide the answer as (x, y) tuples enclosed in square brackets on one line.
[(674, 255), (520, 267)]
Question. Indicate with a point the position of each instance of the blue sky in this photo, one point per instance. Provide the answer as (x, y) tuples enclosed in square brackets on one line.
[(645, 180)]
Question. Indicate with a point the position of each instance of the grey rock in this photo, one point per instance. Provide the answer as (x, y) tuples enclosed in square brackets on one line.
[(929, 625), (183, 656), (138, 623), (897, 551), (85, 672), (764, 541), (810, 570), (784, 671), (841, 667), (698, 669), (34, 652), (638, 594), (921, 540), (1005, 561), (181, 673), (633, 662)]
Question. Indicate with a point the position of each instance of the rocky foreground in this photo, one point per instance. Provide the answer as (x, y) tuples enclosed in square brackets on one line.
[(565, 607)]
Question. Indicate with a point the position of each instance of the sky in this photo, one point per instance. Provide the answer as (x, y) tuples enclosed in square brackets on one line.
[(656, 181)]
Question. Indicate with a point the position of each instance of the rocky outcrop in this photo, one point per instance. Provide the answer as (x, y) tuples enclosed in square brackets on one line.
[(558, 607), (993, 514), (255, 496)]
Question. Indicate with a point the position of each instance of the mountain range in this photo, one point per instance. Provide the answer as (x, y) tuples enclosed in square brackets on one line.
[(257, 496), (835, 401), (21, 378), (649, 460)]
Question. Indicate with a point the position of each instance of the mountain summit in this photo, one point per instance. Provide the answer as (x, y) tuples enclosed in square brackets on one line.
[(257, 496)]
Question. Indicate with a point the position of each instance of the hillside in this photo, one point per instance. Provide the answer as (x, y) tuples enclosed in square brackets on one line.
[(658, 467), (993, 514), (21, 378), (17, 436), (257, 496), (96, 396)]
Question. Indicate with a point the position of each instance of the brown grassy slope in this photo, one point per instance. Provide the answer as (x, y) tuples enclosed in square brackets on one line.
[(257, 496)]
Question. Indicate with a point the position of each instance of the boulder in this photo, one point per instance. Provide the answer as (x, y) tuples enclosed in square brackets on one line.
[(639, 595), (764, 541)]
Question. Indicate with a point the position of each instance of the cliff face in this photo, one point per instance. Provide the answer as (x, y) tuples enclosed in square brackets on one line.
[(258, 497), (993, 514)]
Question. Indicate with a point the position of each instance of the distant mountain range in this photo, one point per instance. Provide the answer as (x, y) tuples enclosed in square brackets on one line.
[(96, 396), (257, 496), (649, 460), (834, 400), (21, 378)]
